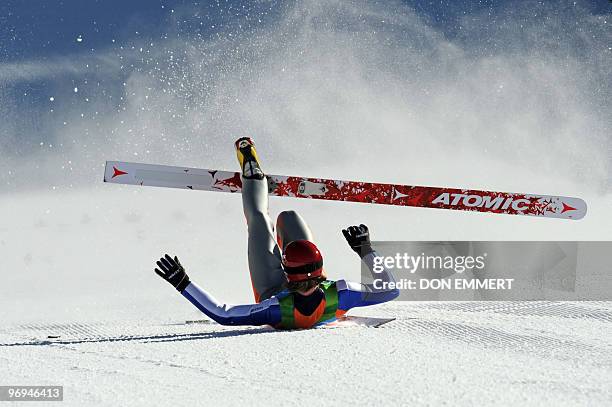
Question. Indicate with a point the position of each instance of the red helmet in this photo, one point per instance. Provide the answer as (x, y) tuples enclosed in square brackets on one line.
[(302, 261)]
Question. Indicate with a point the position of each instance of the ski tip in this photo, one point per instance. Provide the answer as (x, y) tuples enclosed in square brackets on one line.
[(571, 208), (113, 169), (109, 170), (106, 165)]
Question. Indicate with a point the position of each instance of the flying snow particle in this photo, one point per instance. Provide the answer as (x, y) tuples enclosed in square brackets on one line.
[(76, 89), (51, 98), (79, 38)]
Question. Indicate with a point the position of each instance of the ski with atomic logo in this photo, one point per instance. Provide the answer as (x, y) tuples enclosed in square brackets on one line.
[(350, 191)]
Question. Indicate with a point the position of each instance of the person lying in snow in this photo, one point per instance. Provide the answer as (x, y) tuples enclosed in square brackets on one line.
[(289, 282)]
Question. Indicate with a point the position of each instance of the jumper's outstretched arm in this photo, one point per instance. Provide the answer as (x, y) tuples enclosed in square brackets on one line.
[(263, 313), (352, 294)]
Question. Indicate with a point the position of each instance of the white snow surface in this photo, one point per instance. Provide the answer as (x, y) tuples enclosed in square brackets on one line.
[(79, 268), (433, 354)]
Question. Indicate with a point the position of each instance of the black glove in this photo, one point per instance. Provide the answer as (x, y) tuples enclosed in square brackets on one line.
[(358, 237), (170, 269)]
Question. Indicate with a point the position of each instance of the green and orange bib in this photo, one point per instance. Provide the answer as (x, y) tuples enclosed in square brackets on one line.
[(291, 318)]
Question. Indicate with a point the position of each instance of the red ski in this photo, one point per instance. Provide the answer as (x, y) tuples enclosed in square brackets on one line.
[(350, 191)]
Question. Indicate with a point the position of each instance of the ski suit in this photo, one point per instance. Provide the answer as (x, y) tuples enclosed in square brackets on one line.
[(274, 304)]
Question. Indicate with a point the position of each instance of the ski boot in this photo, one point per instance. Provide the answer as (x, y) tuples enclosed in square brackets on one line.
[(247, 157)]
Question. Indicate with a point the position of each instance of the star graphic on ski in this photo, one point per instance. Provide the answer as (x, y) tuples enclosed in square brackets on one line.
[(567, 208), (118, 172)]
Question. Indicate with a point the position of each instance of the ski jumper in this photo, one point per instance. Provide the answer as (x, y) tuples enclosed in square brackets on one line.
[(274, 304)]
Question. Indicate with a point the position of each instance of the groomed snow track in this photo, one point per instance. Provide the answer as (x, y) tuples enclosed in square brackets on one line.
[(456, 352)]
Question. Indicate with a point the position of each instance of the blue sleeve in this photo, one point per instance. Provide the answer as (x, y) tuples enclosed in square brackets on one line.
[(352, 294), (264, 313)]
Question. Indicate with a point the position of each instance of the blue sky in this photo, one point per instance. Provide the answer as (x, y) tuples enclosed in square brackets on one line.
[(42, 28)]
